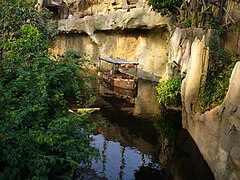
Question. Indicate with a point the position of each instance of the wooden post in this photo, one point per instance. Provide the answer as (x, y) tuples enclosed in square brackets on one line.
[(136, 73)]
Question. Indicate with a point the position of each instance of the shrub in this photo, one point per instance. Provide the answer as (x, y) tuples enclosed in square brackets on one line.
[(214, 90), (169, 92), (187, 22), (39, 137), (165, 6)]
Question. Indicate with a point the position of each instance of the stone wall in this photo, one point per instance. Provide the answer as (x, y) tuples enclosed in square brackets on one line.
[(146, 47), (217, 132)]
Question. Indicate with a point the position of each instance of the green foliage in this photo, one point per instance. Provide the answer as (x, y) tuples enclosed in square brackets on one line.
[(16, 13), (201, 14), (39, 136), (165, 6), (214, 23), (187, 22), (169, 92), (29, 42), (215, 88), (219, 58), (216, 85)]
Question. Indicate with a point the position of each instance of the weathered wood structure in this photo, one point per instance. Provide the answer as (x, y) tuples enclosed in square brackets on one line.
[(120, 79)]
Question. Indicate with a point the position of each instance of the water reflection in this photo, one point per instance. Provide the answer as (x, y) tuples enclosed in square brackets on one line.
[(134, 144), (118, 162), (144, 104), (122, 150)]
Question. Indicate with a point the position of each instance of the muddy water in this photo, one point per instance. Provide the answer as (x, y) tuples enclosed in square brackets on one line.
[(137, 141)]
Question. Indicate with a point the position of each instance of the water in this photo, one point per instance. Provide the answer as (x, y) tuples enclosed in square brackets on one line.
[(118, 161), (130, 146)]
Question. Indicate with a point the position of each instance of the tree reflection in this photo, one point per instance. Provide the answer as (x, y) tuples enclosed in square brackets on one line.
[(168, 125), (149, 171)]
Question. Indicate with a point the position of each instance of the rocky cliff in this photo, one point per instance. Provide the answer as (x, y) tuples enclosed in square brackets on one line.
[(134, 34), (216, 132)]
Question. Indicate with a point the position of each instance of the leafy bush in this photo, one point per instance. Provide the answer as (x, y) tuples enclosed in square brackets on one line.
[(169, 92), (187, 23), (39, 137), (214, 23), (165, 6)]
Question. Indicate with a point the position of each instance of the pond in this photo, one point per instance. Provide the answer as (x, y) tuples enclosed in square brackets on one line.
[(137, 140)]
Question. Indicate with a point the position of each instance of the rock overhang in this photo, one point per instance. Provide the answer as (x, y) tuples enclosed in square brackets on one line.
[(138, 19)]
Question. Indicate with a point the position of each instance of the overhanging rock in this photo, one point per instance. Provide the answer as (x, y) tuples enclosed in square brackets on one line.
[(138, 19)]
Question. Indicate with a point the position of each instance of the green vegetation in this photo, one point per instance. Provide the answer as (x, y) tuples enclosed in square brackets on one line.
[(165, 6), (204, 14), (216, 83), (187, 22), (169, 91), (39, 137)]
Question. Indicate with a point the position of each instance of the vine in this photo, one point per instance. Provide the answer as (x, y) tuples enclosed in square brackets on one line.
[(214, 89)]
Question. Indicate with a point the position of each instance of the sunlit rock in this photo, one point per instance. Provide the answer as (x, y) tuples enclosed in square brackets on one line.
[(139, 19), (137, 35), (216, 132)]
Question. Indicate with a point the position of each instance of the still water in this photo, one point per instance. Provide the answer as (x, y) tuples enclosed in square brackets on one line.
[(137, 141)]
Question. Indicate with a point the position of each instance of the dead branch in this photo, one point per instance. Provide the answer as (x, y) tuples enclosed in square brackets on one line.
[(228, 15)]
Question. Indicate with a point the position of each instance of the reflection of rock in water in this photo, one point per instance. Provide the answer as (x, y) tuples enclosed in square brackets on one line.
[(188, 162), (128, 131), (151, 172), (167, 126), (145, 104), (146, 101), (178, 154), (117, 102), (128, 136)]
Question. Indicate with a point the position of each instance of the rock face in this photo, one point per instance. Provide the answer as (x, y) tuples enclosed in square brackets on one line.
[(138, 35), (135, 19), (81, 8), (216, 132)]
